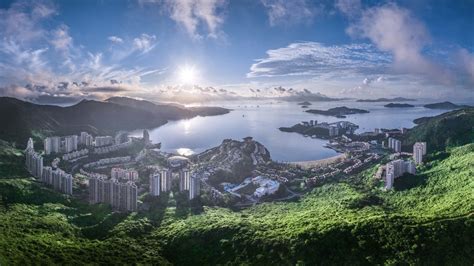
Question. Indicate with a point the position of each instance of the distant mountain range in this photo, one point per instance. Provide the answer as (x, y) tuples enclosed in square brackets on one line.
[(19, 119), (397, 99), (445, 105)]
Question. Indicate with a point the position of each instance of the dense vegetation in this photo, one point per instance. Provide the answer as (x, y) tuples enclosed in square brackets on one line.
[(446, 130), (427, 220)]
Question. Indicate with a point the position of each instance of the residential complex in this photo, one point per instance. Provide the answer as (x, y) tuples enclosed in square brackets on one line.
[(395, 144), (52, 145), (124, 174), (86, 139), (57, 178), (103, 141), (122, 196), (396, 169)]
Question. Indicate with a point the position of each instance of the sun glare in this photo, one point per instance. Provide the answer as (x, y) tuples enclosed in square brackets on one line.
[(187, 74)]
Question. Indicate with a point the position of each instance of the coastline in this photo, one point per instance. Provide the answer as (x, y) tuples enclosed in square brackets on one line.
[(320, 162)]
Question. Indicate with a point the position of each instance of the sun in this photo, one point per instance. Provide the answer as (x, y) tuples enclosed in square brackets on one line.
[(187, 74)]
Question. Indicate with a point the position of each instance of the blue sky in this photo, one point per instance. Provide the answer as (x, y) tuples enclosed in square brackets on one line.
[(196, 50)]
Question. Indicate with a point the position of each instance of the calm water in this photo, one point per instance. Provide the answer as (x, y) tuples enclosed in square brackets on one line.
[(261, 120)]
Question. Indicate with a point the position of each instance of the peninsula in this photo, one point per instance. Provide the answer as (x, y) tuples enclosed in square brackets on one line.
[(322, 130)]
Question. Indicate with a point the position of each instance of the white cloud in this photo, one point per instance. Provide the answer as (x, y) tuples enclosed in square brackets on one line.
[(22, 21), (466, 63), (61, 39), (396, 30), (350, 8), (289, 12), (196, 15), (115, 39), (144, 43), (314, 59)]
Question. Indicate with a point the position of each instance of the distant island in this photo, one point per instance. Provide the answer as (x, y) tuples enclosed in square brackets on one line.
[(304, 103), (304, 106), (339, 112), (398, 105), (396, 99), (445, 105)]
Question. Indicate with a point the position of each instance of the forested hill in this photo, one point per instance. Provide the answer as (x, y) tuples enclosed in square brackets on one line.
[(168, 111), (453, 128), (20, 119)]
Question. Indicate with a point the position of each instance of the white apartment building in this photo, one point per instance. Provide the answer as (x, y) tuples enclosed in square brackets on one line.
[(155, 181), (419, 151)]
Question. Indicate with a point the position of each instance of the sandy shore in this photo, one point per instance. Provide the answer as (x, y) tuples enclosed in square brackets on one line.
[(319, 163)]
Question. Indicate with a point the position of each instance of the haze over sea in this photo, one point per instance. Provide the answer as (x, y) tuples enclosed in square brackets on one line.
[(261, 120)]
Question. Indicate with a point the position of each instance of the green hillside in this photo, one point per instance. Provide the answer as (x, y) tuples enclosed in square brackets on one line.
[(354, 222), (446, 130)]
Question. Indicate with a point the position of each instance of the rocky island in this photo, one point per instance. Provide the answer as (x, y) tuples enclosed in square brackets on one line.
[(339, 112), (399, 105)]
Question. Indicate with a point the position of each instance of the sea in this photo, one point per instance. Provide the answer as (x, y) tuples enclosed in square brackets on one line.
[(261, 120)]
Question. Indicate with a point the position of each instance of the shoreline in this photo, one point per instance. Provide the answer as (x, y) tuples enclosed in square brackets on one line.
[(318, 163)]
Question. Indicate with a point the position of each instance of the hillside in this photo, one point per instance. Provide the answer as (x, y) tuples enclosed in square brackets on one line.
[(168, 111), (354, 222), (444, 105), (20, 119), (453, 128)]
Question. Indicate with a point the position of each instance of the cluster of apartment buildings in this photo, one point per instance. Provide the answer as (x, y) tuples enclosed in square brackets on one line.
[(120, 193), (124, 174), (114, 147), (60, 144), (160, 181), (395, 144), (57, 178), (75, 154), (396, 169), (399, 167), (70, 143), (106, 161)]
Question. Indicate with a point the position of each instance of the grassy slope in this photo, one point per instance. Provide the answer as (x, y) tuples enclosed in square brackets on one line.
[(353, 223)]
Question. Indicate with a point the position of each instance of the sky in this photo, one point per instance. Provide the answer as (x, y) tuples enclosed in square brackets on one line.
[(201, 50)]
